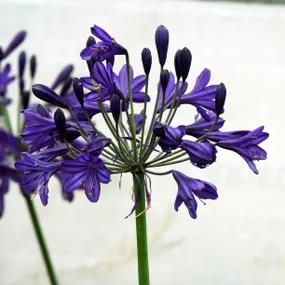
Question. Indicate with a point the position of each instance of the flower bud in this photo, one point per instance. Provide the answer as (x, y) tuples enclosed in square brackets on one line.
[(1, 54), (33, 66), (164, 78), (146, 60), (48, 95), (186, 59), (62, 76), (15, 42), (78, 90), (220, 98), (161, 41), (25, 99), (177, 63), (60, 122), (66, 86), (90, 41), (22, 63), (115, 105)]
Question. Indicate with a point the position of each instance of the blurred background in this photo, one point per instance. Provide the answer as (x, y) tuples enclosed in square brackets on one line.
[(237, 239)]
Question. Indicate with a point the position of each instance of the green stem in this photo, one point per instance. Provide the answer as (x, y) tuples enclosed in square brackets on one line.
[(34, 218), (41, 241), (142, 252)]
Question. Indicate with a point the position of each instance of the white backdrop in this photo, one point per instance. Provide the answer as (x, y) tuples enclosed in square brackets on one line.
[(237, 239)]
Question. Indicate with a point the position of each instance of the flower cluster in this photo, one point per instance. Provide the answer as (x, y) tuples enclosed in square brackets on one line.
[(10, 145), (65, 142)]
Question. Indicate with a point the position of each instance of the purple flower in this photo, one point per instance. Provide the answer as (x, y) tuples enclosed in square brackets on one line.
[(36, 175), (202, 126), (244, 143), (137, 83), (5, 80), (104, 49), (202, 96), (188, 188), (39, 130), (169, 138), (86, 171), (201, 154)]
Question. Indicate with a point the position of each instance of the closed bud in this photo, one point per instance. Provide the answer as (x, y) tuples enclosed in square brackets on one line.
[(146, 60), (22, 63), (48, 95), (66, 87), (62, 76), (177, 63), (25, 99), (164, 78), (1, 54), (33, 66), (60, 122), (78, 90), (161, 42), (21, 85), (15, 42), (220, 98), (186, 59), (115, 105), (90, 41)]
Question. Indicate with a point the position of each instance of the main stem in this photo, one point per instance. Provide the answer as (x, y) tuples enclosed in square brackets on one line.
[(142, 252), (41, 241)]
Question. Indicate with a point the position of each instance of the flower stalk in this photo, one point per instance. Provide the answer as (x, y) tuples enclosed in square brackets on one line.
[(141, 228)]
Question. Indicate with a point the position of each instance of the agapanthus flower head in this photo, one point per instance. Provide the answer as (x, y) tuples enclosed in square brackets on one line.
[(83, 155)]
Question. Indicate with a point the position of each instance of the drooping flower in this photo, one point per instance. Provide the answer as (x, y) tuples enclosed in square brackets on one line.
[(201, 154), (246, 144), (169, 138), (188, 188), (86, 171)]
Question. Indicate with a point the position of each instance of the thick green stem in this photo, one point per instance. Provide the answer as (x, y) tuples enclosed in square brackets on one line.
[(142, 252), (41, 241)]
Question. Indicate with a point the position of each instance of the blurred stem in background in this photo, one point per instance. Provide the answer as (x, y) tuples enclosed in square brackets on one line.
[(142, 251), (32, 211)]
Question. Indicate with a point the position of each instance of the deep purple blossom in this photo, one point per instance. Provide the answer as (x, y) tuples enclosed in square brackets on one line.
[(104, 83), (202, 95), (36, 175), (86, 171), (201, 154), (169, 138), (188, 188), (104, 49), (202, 126), (246, 144)]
